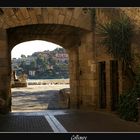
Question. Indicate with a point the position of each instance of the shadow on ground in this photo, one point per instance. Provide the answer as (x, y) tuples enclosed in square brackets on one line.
[(37, 100)]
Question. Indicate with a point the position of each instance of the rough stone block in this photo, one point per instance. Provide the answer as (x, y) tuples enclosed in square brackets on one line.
[(61, 19), (25, 12)]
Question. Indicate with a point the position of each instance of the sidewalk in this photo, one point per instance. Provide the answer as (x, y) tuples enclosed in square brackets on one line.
[(95, 121)]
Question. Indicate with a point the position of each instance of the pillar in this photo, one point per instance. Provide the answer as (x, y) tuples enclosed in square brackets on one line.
[(5, 73)]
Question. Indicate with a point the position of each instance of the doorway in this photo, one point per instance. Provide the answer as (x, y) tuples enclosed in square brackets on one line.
[(114, 84), (102, 85)]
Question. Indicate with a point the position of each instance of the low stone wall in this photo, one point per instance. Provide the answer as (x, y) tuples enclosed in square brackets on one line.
[(18, 81), (48, 82), (19, 84)]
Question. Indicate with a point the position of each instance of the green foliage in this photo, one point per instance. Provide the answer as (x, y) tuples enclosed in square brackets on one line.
[(40, 59), (127, 105), (137, 85), (46, 67), (32, 65), (116, 37)]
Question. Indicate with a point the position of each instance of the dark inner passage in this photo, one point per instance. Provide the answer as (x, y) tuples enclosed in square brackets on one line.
[(102, 85)]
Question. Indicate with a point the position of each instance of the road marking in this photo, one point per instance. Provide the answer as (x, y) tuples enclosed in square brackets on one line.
[(55, 124)]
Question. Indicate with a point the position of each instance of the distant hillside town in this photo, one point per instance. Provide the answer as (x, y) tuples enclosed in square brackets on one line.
[(43, 65)]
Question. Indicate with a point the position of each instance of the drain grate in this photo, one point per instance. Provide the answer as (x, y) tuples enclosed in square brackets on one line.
[(20, 123)]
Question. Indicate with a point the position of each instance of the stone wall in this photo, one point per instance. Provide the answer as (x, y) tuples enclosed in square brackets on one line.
[(104, 15), (5, 71), (87, 71), (73, 29), (14, 17)]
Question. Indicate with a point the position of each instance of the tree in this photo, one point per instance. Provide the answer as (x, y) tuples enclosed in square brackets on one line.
[(33, 65), (39, 60), (23, 56), (116, 36)]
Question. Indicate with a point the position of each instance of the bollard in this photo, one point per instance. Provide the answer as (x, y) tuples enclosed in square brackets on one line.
[(138, 101)]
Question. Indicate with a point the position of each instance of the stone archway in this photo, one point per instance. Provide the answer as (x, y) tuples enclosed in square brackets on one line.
[(72, 28), (67, 36), (68, 27)]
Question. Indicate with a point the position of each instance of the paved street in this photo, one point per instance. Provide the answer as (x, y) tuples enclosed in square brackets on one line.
[(37, 97), (37, 110), (65, 121)]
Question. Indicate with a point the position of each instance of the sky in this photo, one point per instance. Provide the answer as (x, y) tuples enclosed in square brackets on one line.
[(28, 48)]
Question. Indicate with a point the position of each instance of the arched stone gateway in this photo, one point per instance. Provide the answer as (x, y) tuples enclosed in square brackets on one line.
[(73, 29)]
